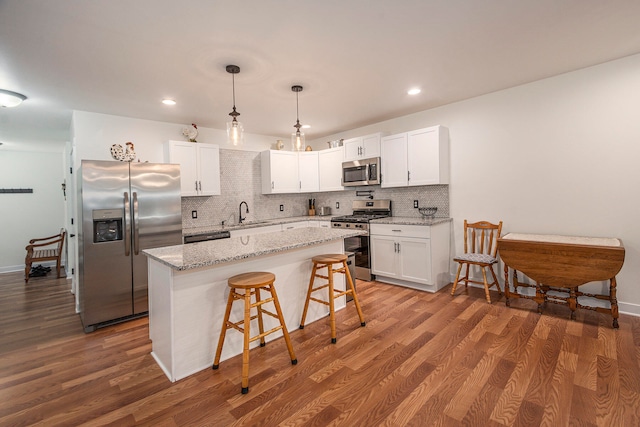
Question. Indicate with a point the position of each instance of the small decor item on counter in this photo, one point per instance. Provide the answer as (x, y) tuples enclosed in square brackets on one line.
[(308, 148), (279, 144), (123, 154), (191, 132), (428, 212), (312, 207)]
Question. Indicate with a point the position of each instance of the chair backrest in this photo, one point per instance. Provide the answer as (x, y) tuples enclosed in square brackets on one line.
[(63, 233), (481, 237)]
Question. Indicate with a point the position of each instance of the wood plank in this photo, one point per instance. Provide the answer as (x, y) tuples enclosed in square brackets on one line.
[(422, 359)]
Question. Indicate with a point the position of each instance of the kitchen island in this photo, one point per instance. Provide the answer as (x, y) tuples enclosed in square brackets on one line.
[(188, 291)]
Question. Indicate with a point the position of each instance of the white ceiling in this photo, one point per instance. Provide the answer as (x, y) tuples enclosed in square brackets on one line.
[(355, 59)]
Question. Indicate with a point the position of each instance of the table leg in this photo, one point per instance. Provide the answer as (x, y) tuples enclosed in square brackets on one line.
[(507, 292), (614, 301), (573, 299)]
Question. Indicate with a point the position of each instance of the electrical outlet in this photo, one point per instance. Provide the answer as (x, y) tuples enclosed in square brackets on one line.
[(281, 208), (415, 203), (194, 214), (337, 205)]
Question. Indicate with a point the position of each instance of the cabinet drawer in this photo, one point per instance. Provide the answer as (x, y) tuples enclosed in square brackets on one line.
[(420, 231)]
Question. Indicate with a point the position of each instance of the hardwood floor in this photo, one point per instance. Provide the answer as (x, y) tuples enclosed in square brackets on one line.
[(422, 359)]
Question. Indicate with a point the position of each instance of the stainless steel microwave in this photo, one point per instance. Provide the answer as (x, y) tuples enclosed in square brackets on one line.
[(361, 172)]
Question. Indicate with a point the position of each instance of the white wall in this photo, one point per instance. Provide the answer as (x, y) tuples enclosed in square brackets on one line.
[(30, 215), (94, 134), (555, 156)]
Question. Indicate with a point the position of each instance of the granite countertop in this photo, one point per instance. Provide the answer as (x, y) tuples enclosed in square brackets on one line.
[(253, 224), (405, 220), (203, 254)]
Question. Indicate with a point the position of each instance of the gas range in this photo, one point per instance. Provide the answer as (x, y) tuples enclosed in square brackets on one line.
[(363, 212)]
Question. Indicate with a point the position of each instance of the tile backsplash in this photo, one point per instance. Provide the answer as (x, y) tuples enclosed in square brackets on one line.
[(240, 180)]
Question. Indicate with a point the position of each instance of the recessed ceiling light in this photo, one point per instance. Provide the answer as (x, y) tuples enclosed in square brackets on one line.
[(168, 102), (413, 91)]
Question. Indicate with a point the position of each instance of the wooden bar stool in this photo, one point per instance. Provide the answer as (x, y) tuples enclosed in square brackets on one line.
[(322, 261), (250, 284)]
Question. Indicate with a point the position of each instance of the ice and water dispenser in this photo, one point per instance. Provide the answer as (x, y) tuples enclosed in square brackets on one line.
[(107, 225)]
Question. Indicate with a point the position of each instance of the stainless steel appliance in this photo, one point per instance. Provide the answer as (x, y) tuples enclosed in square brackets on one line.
[(363, 212), (126, 207), (361, 172)]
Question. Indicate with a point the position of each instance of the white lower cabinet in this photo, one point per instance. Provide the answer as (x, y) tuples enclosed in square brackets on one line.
[(415, 256)]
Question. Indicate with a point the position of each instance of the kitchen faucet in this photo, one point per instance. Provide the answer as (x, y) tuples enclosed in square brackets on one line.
[(240, 217)]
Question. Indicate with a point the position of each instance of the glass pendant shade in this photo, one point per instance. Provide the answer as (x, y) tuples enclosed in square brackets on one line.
[(297, 141), (235, 133), (297, 138)]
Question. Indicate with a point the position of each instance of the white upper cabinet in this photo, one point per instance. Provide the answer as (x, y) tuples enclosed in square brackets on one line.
[(199, 167), (308, 171), (419, 157), (393, 160), (279, 172), (363, 147), (330, 169), (428, 156)]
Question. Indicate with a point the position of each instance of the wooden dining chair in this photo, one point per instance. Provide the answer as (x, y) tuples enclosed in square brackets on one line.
[(480, 249), (44, 249)]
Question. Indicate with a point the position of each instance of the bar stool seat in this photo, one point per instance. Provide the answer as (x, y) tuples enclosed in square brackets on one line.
[(243, 287), (328, 261)]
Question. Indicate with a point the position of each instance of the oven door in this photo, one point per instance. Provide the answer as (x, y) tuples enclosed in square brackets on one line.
[(359, 245)]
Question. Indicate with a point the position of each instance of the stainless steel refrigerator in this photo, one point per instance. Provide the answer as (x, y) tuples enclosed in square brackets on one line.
[(126, 207)]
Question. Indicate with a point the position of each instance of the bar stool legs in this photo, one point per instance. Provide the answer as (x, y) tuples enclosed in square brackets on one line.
[(250, 284), (322, 261)]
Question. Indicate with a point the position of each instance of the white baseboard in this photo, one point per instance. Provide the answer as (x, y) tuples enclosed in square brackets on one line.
[(14, 268)]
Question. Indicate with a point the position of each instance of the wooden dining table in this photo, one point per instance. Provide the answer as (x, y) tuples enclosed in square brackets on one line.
[(562, 264)]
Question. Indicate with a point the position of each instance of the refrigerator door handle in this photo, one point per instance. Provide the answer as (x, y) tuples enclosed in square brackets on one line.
[(127, 225), (136, 225)]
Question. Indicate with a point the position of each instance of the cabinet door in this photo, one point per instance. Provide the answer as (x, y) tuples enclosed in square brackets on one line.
[(352, 149), (330, 169), (185, 155), (308, 171), (414, 259), (394, 160), (371, 146), (383, 256), (208, 170), (423, 150), (279, 172)]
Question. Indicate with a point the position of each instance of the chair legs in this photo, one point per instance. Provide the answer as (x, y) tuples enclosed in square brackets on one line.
[(350, 290), (484, 282), (246, 329)]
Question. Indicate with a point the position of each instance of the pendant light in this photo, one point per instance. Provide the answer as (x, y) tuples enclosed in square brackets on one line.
[(297, 138), (235, 131)]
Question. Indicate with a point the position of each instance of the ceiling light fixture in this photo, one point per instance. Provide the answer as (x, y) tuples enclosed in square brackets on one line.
[(11, 99), (235, 131), (297, 138), (168, 102), (413, 91)]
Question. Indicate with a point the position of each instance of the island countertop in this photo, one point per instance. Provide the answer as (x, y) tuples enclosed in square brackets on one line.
[(203, 254)]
